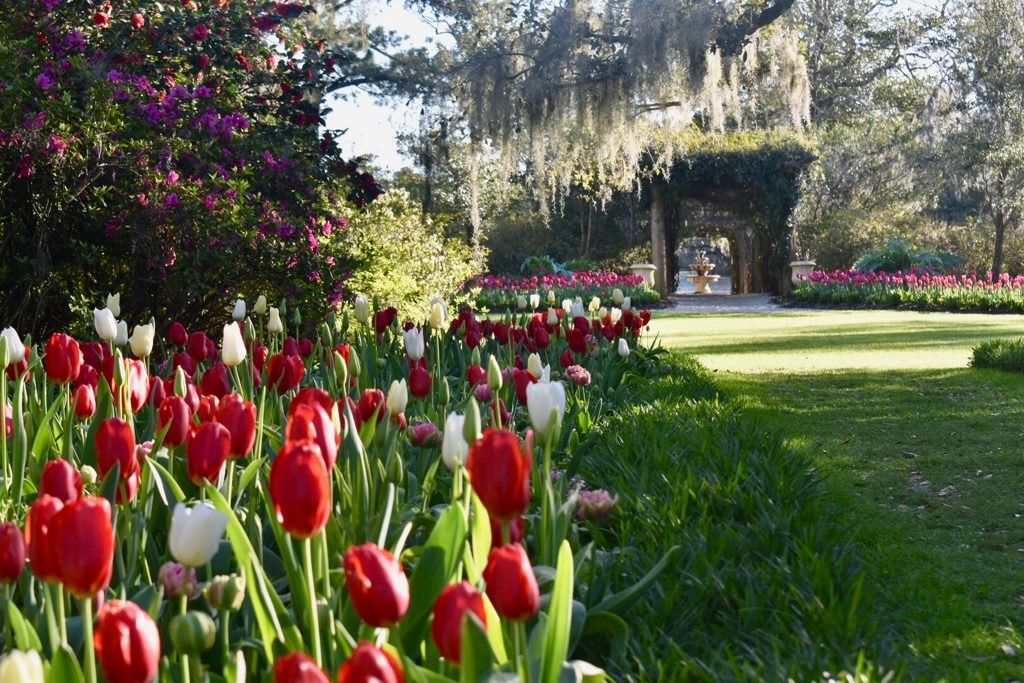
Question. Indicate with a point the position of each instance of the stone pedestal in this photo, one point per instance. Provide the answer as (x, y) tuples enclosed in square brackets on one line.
[(644, 270)]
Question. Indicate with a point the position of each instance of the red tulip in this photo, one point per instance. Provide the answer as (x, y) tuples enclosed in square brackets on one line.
[(38, 528), (207, 451), (377, 585), (370, 663), (424, 435), (19, 370), (215, 381), (61, 480), (185, 362), (174, 414), (209, 406), (515, 532), (476, 375), (239, 416), (157, 392), (129, 485), (298, 667), (291, 347), (127, 643), (63, 359), (300, 488), (198, 346), (81, 538), (312, 419), (522, 379), (511, 583), (500, 474), (372, 402), (87, 374), (449, 611), (93, 353), (115, 444), (285, 372), (577, 340), (419, 382), (12, 552), (84, 400), (311, 396), (306, 347)]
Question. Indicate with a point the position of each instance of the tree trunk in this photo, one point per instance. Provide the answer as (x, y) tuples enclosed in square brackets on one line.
[(999, 220), (658, 256)]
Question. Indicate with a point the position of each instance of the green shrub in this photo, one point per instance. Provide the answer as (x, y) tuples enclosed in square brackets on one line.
[(999, 354), (898, 256), (401, 260)]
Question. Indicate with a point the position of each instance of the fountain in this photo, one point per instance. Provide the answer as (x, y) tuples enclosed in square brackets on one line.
[(701, 280)]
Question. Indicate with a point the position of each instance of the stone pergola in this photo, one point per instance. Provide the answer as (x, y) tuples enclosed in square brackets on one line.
[(745, 193)]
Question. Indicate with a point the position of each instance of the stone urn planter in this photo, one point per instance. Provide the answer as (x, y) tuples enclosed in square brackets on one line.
[(801, 269), (644, 270)]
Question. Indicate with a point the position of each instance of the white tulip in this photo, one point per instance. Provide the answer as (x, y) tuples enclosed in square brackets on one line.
[(567, 306), (114, 303), (195, 533), (106, 324), (534, 301), (121, 338), (551, 297), (616, 315), (261, 305), (602, 312), (626, 304), (414, 344), (545, 402), (545, 375), (274, 325), (398, 397), (617, 296), (232, 348), (533, 365), (454, 447), (21, 667), (577, 310), (239, 312), (552, 317), (15, 347), (595, 304), (521, 302), (438, 313), (142, 340), (362, 309), (623, 347)]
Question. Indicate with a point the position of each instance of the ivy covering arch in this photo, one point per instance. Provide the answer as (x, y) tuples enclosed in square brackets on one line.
[(753, 179)]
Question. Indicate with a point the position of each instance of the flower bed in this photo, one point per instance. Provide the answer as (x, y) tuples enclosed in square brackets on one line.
[(914, 289), (522, 293), (251, 511)]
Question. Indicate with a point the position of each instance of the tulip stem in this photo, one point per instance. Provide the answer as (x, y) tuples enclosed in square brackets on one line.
[(314, 621), (90, 646), (183, 608), (522, 648), (62, 625), (3, 441)]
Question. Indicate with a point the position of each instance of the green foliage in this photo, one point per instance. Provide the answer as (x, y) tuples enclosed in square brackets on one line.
[(768, 586), (898, 256), (543, 265), (402, 260), (999, 354)]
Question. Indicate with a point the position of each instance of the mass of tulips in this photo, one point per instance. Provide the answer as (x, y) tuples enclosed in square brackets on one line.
[(367, 499), (914, 289), (537, 291)]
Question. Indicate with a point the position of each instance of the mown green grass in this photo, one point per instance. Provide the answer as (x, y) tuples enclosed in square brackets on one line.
[(922, 458)]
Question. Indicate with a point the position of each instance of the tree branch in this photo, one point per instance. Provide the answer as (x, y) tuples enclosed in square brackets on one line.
[(733, 36)]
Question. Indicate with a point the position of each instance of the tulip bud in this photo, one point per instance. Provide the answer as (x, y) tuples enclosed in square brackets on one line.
[(180, 383), (260, 308), (195, 533), (376, 584), (454, 448), (534, 365), (617, 297), (398, 397), (274, 325), (534, 301), (176, 580), (494, 378), (552, 317), (114, 303), (511, 583), (106, 326), (122, 333), (450, 610), (370, 663), (238, 314), (298, 667), (12, 553), (21, 667), (127, 643), (15, 348), (355, 366), (89, 475), (340, 370), (233, 346), (602, 312), (5, 353), (551, 297), (471, 428), (521, 302), (438, 313), (297, 317), (193, 633), (626, 304), (120, 369), (545, 402), (226, 593), (141, 341), (362, 309), (283, 307), (623, 347), (615, 315)]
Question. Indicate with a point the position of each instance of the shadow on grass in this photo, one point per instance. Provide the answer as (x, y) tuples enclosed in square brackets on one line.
[(927, 466)]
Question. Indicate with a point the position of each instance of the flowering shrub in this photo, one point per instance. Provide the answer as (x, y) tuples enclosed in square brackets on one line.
[(274, 507), (500, 291), (149, 145), (914, 289)]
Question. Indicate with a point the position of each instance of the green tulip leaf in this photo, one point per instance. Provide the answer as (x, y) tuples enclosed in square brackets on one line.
[(249, 473), (44, 435), (619, 602), (64, 667), (611, 626), (559, 622), (163, 480), (480, 533), (494, 633), (108, 487), (477, 658), (25, 637), (435, 569)]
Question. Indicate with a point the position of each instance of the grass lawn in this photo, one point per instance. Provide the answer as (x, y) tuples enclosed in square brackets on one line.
[(923, 456)]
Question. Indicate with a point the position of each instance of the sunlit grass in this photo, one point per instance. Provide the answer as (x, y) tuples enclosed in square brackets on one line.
[(922, 455)]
